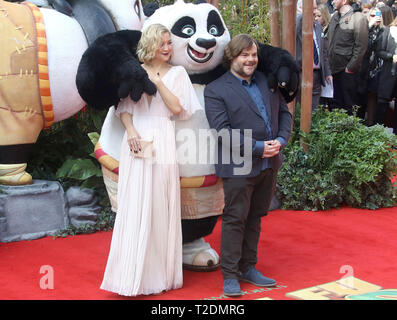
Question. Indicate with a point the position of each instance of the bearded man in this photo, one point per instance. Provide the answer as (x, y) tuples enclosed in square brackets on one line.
[(253, 124)]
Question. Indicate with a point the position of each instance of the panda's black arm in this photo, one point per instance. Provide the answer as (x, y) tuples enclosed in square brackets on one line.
[(281, 70), (109, 71)]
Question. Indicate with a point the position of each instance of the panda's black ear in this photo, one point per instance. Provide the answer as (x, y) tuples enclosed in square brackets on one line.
[(150, 8), (199, 1)]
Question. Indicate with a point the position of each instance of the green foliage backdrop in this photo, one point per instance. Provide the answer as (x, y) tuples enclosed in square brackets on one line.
[(347, 164), (65, 152), (243, 16)]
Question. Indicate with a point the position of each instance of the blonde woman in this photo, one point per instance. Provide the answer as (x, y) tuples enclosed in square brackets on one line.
[(322, 16), (146, 249)]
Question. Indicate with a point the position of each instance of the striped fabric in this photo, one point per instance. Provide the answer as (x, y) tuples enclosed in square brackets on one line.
[(105, 160), (44, 81), (199, 182), (193, 182)]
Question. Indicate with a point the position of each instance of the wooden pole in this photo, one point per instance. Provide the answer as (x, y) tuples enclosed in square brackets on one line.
[(274, 11), (288, 35), (307, 68)]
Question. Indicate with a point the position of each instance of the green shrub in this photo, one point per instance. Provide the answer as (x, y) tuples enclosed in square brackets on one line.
[(242, 16), (68, 139), (65, 152), (105, 222), (347, 164)]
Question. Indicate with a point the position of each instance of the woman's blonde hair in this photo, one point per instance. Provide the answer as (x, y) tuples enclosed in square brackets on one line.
[(373, 10), (324, 14), (150, 41)]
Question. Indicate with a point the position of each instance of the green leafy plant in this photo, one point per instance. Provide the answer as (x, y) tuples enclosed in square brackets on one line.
[(347, 164), (65, 152), (243, 16), (105, 222), (83, 170), (68, 139)]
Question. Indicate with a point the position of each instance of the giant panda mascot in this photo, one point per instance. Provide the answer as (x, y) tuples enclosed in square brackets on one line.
[(41, 44), (110, 71)]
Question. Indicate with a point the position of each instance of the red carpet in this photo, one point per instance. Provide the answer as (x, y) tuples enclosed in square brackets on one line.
[(298, 249)]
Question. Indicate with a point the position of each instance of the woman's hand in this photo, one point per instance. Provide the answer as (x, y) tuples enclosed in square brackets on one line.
[(154, 77), (133, 141)]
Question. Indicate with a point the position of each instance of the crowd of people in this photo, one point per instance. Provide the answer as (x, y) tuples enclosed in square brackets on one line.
[(355, 55)]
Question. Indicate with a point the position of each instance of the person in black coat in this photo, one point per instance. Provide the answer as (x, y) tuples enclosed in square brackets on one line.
[(370, 67), (387, 88)]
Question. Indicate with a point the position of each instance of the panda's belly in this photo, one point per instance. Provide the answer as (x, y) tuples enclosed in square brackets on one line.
[(66, 44), (195, 147)]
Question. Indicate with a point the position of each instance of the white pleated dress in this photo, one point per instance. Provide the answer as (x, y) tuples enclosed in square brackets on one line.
[(146, 249)]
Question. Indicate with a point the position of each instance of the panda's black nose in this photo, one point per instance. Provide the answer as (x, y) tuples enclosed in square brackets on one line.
[(206, 43)]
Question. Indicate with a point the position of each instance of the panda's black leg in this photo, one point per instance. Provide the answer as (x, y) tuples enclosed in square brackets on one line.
[(198, 254), (197, 228), (13, 162)]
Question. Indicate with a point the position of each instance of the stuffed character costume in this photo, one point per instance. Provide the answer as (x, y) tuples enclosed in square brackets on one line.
[(40, 52)]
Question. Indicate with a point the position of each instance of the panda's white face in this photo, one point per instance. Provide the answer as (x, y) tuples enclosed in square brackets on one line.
[(199, 34)]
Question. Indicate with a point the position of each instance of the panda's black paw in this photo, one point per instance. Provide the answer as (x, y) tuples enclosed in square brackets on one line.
[(135, 87), (149, 87), (125, 88), (283, 76), (293, 84), (129, 78), (136, 91), (272, 82)]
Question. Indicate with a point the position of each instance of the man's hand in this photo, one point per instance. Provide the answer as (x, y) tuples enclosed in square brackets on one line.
[(272, 148)]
